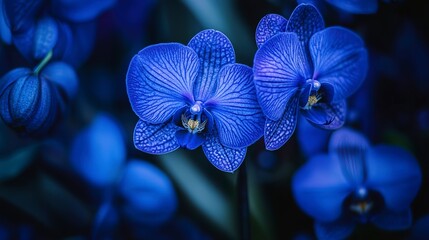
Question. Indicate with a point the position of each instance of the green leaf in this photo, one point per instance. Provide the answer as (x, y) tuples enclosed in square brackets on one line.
[(13, 164)]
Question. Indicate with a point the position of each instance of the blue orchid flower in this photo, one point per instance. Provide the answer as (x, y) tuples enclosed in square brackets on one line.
[(195, 95), (39, 26), (32, 101), (302, 67), (98, 152), (357, 183), (148, 194)]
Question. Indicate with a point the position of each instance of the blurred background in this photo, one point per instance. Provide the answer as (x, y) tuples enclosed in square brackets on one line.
[(44, 194)]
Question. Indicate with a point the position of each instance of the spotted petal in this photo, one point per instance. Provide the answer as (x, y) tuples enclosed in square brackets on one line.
[(340, 59), (395, 173), (350, 148), (214, 50), (268, 26), (223, 158), (159, 80), (279, 70), (356, 6), (155, 138), (277, 133), (235, 109), (320, 188), (328, 116)]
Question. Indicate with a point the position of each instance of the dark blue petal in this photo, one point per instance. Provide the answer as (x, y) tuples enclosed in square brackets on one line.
[(24, 42), (420, 229), (279, 70), (80, 10), (305, 21), (20, 13), (23, 99), (268, 26), (350, 148), (159, 80), (42, 119), (223, 158), (328, 116), (12, 76), (312, 140), (214, 51), (395, 173), (340, 59), (337, 230), (189, 140), (45, 37), (390, 220), (277, 133), (320, 188), (5, 33), (98, 152), (149, 195), (305, 94), (63, 76), (235, 109), (356, 6), (155, 138)]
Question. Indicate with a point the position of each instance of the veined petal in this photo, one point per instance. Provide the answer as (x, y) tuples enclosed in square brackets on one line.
[(390, 220), (235, 108), (305, 21), (340, 229), (268, 26), (340, 59), (62, 75), (350, 148), (277, 133), (320, 188), (214, 50), (20, 13), (42, 119), (155, 138), (279, 70), (45, 37), (395, 173), (356, 6), (24, 98), (328, 116), (159, 80), (80, 10), (223, 158)]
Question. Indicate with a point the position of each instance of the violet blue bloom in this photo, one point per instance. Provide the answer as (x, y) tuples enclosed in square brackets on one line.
[(302, 67), (356, 183), (194, 95)]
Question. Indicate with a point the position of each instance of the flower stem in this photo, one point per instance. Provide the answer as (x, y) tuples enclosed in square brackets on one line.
[(44, 61), (243, 203)]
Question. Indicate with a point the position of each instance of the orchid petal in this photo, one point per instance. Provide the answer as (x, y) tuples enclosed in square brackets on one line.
[(159, 80), (394, 173), (155, 138), (320, 188), (214, 50), (340, 59), (356, 6), (63, 76), (279, 70), (350, 148), (20, 13), (339, 229), (327, 116), (223, 158), (45, 37), (305, 21), (189, 140), (268, 26), (277, 133), (235, 108), (80, 10)]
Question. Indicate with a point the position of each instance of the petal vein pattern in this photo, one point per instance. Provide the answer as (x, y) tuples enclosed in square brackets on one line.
[(159, 80)]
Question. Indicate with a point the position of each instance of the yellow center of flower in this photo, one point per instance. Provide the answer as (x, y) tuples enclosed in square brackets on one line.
[(361, 207), (193, 125)]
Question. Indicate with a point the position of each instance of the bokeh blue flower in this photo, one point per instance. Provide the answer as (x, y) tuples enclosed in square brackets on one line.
[(302, 67), (356, 183), (195, 95)]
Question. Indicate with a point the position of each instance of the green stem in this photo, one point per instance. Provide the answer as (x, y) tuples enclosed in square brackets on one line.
[(42, 64), (243, 203)]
